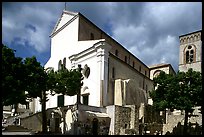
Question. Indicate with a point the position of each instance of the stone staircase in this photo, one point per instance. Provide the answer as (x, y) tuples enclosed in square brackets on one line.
[(11, 120), (16, 128)]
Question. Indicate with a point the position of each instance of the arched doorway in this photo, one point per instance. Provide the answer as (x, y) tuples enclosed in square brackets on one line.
[(95, 126)]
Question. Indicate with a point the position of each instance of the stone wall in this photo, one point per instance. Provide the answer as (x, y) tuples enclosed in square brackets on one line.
[(173, 120), (134, 118), (33, 122), (122, 119), (153, 116)]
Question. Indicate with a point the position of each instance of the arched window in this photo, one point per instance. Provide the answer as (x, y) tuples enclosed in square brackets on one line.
[(156, 73), (189, 54), (64, 62), (59, 65), (85, 95)]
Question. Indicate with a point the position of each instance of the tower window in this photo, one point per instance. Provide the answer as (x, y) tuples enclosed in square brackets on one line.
[(189, 54)]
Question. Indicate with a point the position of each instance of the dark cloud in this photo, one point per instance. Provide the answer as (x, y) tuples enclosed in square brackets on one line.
[(150, 30)]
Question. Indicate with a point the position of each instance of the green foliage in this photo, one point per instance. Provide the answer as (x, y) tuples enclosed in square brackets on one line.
[(181, 91), (36, 78), (12, 78), (68, 82)]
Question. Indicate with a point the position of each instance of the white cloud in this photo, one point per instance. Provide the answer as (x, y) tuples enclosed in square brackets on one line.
[(40, 17), (149, 30)]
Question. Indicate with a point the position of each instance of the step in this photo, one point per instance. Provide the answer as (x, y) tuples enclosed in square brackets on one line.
[(16, 128)]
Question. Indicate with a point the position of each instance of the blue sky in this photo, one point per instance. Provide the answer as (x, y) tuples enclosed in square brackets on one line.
[(149, 30)]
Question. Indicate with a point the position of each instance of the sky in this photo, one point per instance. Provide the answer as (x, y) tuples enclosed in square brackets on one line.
[(149, 30)]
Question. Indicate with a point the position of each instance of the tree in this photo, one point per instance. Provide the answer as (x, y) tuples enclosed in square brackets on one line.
[(38, 81), (12, 79), (69, 82), (28, 75), (182, 92)]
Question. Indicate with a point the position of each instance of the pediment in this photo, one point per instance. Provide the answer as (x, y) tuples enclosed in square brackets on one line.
[(64, 18)]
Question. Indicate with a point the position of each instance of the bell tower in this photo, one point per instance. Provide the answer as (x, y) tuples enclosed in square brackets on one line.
[(190, 53)]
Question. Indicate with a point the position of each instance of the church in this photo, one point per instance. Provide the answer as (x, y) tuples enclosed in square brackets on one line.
[(113, 77), (116, 83)]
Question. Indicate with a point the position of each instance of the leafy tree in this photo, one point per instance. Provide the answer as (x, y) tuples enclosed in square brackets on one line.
[(36, 82), (69, 82), (182, 92), (28, 75), (12, 79), (39, 81)]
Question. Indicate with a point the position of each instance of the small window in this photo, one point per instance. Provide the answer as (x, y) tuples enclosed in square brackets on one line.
[(92, 36), (146, 88), (133, 64), (116, 52), (126, 59), (60, 100), (113, 72), (85, 99), (145, 72), (140, 68)]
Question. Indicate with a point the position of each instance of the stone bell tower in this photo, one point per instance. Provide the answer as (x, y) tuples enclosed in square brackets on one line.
[(190, 53)]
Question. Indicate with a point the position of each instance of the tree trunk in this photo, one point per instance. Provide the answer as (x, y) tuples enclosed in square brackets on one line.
[(185, 128), (44, 116), (15, 109)]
